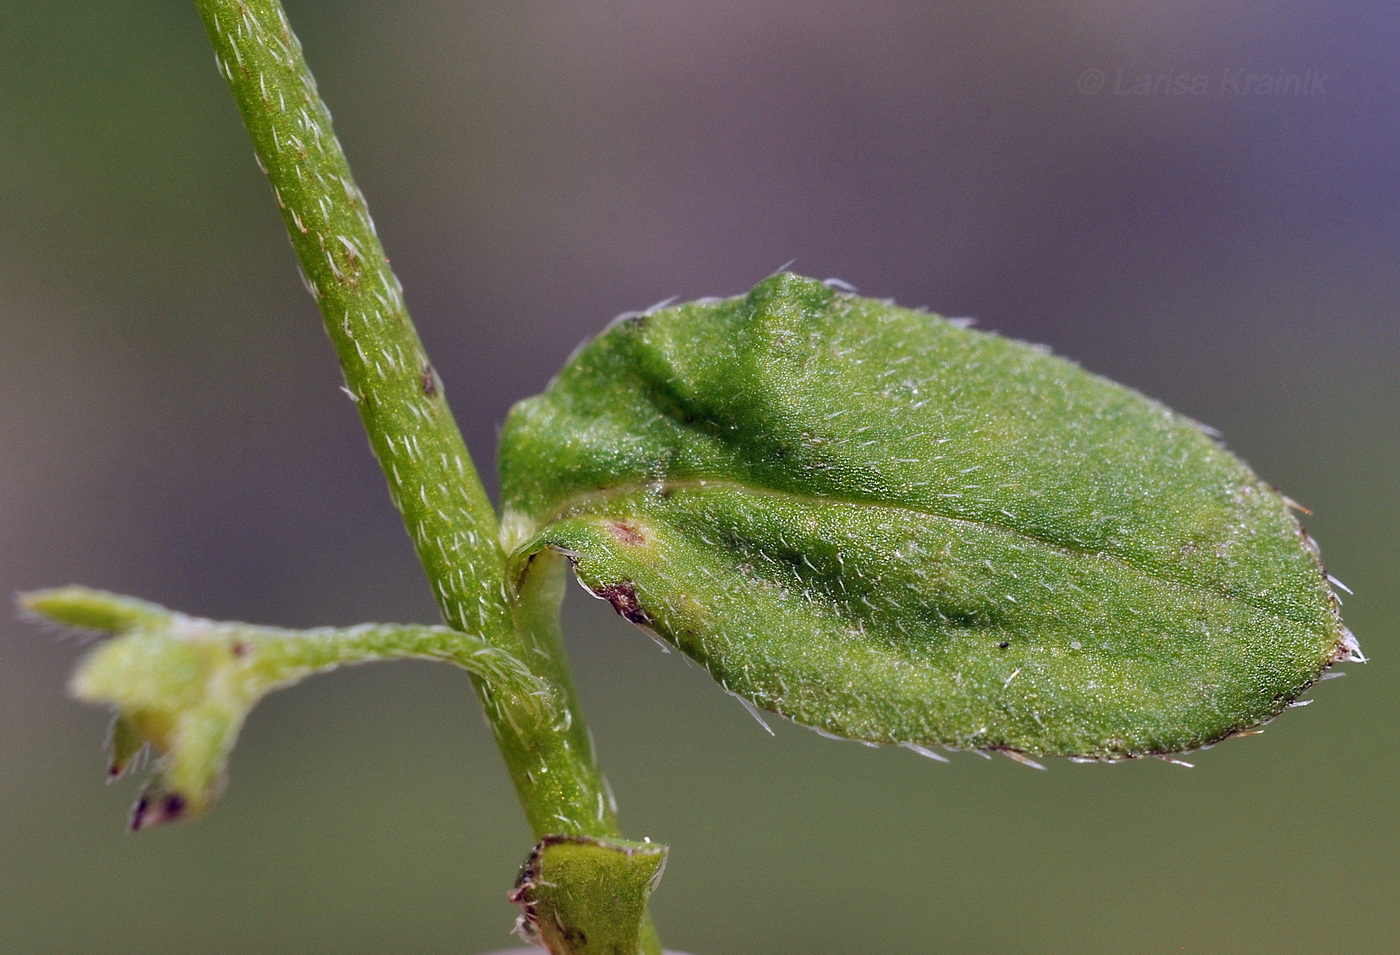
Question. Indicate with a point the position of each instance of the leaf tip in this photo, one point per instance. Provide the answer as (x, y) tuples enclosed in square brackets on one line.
[(1348, 648), (83, 608), (157, 809)]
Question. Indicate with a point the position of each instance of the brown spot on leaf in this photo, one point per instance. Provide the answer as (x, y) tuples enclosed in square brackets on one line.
[(623, 596), (627, 533), (429, 381)]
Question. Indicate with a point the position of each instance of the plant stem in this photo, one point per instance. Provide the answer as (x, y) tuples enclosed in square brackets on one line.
[(431, 476)]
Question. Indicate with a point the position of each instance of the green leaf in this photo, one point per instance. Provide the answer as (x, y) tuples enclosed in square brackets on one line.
[(184, 685), (884, 525), (581, 895)]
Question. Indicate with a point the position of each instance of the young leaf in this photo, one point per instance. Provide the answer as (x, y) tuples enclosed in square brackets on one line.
[(183, 685), (881, 524)]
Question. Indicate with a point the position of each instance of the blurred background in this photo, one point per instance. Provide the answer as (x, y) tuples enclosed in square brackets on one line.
[(1198, 199)]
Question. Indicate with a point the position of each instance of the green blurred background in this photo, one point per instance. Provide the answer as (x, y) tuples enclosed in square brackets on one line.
[(171, 426)]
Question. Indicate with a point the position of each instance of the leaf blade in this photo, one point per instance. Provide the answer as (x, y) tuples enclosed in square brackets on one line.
[(804, 448)]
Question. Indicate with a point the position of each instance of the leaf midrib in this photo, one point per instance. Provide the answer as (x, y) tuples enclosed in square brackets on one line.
[(581, 503)]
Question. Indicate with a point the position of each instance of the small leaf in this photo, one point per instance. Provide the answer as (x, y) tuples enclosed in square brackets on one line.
[(124, 744), (894, 529), (581, 895), (184, 685), (86, 609), (177, 685)]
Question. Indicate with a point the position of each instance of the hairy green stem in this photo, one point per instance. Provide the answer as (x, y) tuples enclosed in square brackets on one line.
[(400, 398), (431, 477)]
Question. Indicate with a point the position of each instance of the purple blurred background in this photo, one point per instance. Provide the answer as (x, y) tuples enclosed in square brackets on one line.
[(1197, 199)]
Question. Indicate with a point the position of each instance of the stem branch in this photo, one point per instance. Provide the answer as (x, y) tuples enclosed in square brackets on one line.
[(431, 477)]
